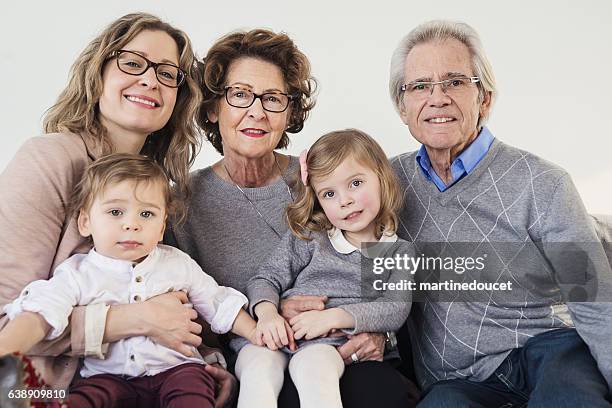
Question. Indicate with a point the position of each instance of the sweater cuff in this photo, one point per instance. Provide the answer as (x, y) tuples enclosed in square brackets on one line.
[(377, 317), (95, 323), (261, 293), (353, 310)]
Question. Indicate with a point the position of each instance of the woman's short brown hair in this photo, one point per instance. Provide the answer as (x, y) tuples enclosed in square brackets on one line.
[(268, 46)]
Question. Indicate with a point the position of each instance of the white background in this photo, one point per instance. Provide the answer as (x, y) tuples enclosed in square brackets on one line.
[(552, 60)]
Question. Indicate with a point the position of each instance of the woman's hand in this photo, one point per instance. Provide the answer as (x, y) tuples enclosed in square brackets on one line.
[(367, 347), (169, 322), (227, 386), (294, 305), (271, 326)]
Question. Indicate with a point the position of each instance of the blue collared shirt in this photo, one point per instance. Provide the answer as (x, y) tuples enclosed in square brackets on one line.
[(462, 165)]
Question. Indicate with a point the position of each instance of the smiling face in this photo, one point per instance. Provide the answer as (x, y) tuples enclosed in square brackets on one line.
[(437, 120), (251, 132), (127, 220), (350, 198), (138, 105)]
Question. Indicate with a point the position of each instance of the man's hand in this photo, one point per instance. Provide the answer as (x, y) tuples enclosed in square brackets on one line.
[(227, 386), (294, 305), (367, 347)]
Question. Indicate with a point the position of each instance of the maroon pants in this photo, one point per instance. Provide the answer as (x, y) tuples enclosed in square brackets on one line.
[(186, 385)]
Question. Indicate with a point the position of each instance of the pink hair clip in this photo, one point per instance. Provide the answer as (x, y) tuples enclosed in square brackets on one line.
[(304, 167)]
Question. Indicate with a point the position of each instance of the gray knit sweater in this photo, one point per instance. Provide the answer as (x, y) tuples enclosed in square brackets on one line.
[(314, 267), (512, 196), (224, 234)]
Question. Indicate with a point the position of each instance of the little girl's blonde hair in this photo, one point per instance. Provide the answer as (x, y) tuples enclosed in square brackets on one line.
[(306, 215)]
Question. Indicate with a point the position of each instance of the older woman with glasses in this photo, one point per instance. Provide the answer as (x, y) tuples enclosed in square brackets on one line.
[(257, 88), (113, 102)]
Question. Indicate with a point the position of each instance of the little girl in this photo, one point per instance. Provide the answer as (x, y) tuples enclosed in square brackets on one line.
[(348, 197), (123, 201)]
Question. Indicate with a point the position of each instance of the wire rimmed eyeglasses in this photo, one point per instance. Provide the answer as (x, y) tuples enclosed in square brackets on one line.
[(132, 63), (451, 86)]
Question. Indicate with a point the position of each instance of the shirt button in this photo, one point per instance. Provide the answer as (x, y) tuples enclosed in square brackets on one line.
[(139, 279), (132, 357), (137, 298)]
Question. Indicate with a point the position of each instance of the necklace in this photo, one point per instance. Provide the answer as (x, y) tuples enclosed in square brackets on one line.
[(252, 203)]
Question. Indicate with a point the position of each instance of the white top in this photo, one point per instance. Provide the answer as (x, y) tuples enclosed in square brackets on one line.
[(343, 246), (93, 278)]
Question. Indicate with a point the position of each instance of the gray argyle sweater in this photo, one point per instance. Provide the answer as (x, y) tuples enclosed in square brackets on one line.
[(511, 197)]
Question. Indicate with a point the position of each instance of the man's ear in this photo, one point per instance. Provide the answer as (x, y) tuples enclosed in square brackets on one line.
[(83, 224), (485, 105), (403, 113)]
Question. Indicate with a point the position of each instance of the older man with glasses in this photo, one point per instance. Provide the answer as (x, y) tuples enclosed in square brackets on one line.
[(546, 342)]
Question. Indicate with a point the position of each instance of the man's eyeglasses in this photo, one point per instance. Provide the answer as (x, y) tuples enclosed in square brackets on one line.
[(270, 101), (132, 63), (452, 86)]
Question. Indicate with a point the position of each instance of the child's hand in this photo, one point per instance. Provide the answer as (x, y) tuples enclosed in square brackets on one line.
[(22, 333), (312, 324), (271, 326), (254, 337), (274, 330)]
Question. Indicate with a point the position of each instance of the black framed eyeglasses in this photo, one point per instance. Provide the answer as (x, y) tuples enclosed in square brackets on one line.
[(270, 101), (133, 63)]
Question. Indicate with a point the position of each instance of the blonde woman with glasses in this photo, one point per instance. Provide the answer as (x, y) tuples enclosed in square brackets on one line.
[(131, 90)]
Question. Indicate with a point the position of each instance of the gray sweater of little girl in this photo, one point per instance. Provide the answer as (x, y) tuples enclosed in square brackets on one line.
[(301, 267), (512, 201)]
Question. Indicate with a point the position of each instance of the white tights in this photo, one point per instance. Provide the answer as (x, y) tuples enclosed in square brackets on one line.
[(315, 371)]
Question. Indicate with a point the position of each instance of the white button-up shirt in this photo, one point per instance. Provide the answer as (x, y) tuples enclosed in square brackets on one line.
[(93, 278)]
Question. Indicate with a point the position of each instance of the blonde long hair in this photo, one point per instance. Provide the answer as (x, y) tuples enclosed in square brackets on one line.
[(174, 146), (306, 215)]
